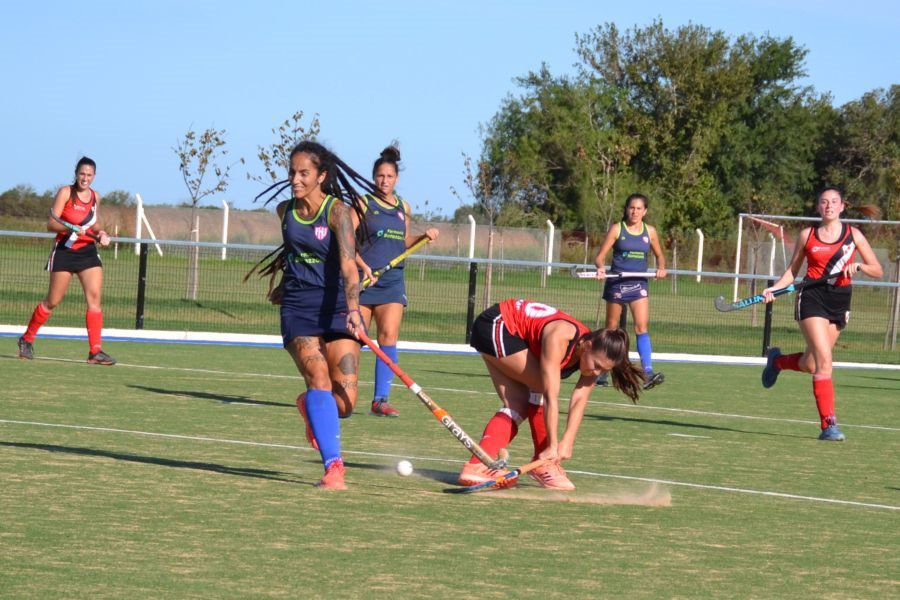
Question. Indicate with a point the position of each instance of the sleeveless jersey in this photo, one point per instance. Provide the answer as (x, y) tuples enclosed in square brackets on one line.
[(313, 259), (630, 251), (79, 213), (386, 232), (526, 319), (829, 258)]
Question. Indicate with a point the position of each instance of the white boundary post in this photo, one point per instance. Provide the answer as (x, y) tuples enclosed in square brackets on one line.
[(699, 252), (224, 228), (116, 246), (772, 255), (551, 230)]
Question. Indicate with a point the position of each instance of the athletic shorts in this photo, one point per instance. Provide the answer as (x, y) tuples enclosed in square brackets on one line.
[(390, 288), (826, 301), (490, 335), (314, 313), (64, 259), (624, 291)]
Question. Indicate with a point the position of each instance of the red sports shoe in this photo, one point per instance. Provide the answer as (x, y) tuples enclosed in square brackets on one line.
[(383, 408), (310, 436), (473, 474), (334, 477), (552, 476)]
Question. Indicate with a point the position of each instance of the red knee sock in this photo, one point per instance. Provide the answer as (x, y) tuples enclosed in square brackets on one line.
[(538, 428), (823, 390), (789, 362), (498, 433), (38, 318), (94, 321)]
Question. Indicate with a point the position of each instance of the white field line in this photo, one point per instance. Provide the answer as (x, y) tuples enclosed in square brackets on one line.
[(684, 435), (444, 460), (475, 392)]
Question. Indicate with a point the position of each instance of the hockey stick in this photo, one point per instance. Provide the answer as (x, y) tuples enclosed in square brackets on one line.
[(499, 482), (439, 413), (423, 239), (76, 228), (723, 305), (582, 273)]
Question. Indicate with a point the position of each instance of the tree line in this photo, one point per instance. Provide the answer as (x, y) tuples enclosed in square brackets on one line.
[(706, 125)]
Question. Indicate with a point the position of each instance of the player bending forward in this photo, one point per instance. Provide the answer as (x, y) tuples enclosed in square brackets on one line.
[(528, 348)]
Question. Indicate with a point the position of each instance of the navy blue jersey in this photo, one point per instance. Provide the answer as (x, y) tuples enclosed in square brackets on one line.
[(386, 232), (313, 258), (630, 252)]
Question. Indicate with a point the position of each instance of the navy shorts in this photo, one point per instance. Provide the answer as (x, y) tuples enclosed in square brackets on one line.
[(826, 301), (314, 313), (390, 288), (624, 291), (490, 335), (64, 259)]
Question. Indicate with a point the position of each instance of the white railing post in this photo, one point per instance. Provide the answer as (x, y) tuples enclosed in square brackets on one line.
[(550, 232), (471, 236), (699, 252), (224, 228), (772, 255), (138, 221)]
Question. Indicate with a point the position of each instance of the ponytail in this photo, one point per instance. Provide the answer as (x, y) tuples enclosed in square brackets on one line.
[(626, 378)]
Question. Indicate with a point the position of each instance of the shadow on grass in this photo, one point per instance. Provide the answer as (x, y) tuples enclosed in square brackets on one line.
[(225, 399), (155, 460), (210, 308), (669, 423)]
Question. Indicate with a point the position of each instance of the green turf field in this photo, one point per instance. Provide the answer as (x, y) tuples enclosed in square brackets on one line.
[(183, 473)]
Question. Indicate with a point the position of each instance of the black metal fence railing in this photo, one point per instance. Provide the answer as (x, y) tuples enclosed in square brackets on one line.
[(191, 288)]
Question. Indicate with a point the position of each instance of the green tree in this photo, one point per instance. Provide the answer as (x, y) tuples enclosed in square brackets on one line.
[(864, 153)]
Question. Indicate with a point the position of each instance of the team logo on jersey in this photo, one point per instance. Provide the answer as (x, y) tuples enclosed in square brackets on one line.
[(646, 239), (320, 232), (402, 217), (847, 248)]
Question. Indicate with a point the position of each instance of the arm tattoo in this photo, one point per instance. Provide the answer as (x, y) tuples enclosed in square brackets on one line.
[(343, 227)]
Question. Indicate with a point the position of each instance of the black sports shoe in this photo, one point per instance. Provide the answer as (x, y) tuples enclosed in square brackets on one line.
[(26, 350), (101, 358), (653, 380)]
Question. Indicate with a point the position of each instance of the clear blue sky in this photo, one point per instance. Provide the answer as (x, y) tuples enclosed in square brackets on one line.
[(122, 81)]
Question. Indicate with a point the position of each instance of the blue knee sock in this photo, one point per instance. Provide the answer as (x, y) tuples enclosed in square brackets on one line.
[(321, 409), (383, 374), (643, 348)]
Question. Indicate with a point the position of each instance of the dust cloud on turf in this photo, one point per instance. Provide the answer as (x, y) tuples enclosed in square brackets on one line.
[(653, 495)]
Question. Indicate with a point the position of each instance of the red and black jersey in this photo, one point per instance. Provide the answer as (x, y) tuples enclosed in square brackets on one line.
[(829, 258), (79, 213), (526, 319)]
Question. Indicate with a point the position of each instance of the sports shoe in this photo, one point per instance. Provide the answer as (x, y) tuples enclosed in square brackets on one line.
[(653, 379), (473, 474), (832, 434), (382, 408), (770, 371), (26, 349), (552, 476), (100, 358), (310, 436), (603, 380), (334, 477)]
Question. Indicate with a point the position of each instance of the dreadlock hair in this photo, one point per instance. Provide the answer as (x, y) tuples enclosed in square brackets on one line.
[(626, 378), (389, 156), (341, 181)]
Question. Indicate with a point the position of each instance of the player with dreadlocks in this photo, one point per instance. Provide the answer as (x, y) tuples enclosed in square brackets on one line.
[(319, 292)]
